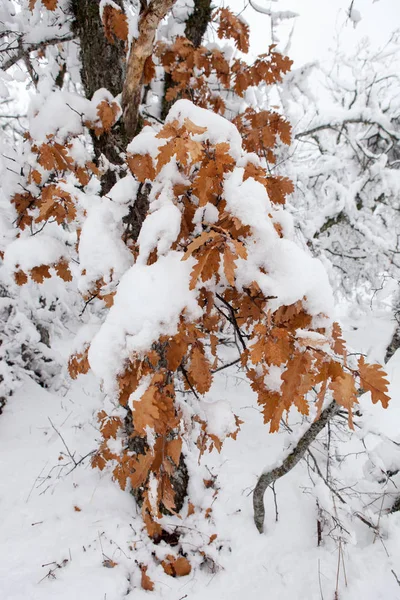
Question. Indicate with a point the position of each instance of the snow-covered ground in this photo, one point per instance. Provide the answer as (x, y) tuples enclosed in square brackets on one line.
[(69, 532)]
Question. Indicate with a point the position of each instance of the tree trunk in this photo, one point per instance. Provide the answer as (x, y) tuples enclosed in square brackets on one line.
[(196, 27), (395, 341), (102, 66), (141, 50), (394, 344)]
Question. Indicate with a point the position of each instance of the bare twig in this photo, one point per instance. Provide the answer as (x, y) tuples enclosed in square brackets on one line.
[(24, 50), (395, 576), (63, 441), (269, 478), (230, 364), (233, 320), (186, 376)]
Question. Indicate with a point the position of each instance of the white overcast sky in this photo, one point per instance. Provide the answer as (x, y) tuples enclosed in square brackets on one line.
[(320, 22)]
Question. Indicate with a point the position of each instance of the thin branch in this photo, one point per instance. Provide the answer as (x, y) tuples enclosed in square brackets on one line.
[(23, 51), (395, 576), (81, 461), (324, 479), (186, 376), (354, 120), (269, 478), (230, 364), (63, 441), (234, 322)]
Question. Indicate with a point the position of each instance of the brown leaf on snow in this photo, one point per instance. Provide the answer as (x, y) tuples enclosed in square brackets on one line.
[(339, 346), (78, 363), (173, 450), (109, 564), (146, 583), (107, 113), (49, 4), (115, 24), (229, 265), (141, 464), (176, 567), (345, 393), (62, 270), (145, 412)]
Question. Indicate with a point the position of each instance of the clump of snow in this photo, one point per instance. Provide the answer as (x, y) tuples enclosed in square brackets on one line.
[(273, 379), (102, 252), (4, 77), (176, 20), (29, 252), (148, 304), (160, 230), (145, 142), (124, 191), (219, 417), (355, 17), (84, 336), (291, 273), (62, 113), (218, 129), (207, 214)]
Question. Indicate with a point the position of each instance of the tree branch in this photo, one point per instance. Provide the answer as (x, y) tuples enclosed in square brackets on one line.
[(233, 320), (333, 126), (141, 49), (269, 478), (24, 50)]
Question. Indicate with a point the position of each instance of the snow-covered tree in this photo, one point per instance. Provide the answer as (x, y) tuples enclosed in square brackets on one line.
[(145, 181), (346, 160)]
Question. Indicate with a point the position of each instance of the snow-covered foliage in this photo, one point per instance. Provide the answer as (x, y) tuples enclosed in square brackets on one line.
[(346, 160), (146, 243)]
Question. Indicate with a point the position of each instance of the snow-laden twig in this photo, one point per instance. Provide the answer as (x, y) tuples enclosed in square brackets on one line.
[(24, 49)]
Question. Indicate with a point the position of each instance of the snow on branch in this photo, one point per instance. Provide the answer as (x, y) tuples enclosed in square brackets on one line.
[(20, 49)]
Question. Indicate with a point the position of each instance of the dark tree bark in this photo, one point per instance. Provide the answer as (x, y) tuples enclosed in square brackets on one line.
[(395, 341), (197, 23), (394, 344), (196, 27), (103, 66)]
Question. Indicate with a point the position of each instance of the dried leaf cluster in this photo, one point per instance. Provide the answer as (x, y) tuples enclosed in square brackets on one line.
[(205, 75), (309, 358)]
